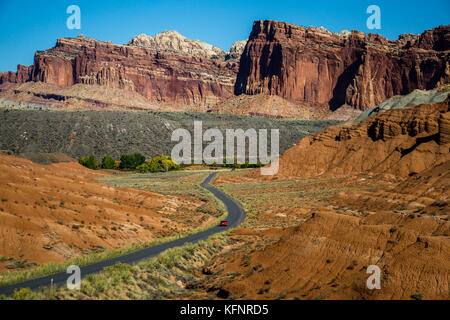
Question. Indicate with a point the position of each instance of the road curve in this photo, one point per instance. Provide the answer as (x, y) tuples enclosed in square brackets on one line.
[(236, 216)]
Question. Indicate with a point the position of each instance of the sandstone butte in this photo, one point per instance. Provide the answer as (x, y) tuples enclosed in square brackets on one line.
[(313, 65)]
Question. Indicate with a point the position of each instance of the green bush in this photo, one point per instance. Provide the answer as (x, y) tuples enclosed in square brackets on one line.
[(143, 168), (89, 162), (126, 161), (162, 163), (138, 159), (155, 166), (131, 161), (107, 162)]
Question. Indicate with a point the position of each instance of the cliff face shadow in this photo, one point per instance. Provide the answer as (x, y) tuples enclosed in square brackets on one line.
[(342, 84), (270, 64)]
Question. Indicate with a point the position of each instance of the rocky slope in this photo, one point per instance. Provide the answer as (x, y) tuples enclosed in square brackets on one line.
[(401, 142), (314, 65), (326, 257), (79, 133), (273, 106), (413, 99), (167, 68)]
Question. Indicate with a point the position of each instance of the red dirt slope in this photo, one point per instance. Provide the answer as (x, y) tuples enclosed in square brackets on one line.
[(58, 211)]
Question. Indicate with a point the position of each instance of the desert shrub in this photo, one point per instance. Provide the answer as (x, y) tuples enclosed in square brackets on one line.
[(89, 162), (143, 168), (417, 296), (116, 164), (87, 288), (23, 294), (155, 166), (107, 162)]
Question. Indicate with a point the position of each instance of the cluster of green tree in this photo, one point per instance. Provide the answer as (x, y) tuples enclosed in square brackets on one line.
[(108, 162), (89, 162), (132, 161)]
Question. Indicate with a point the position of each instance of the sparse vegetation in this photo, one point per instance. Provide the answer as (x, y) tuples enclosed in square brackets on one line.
[(53, 125), (417, 296)]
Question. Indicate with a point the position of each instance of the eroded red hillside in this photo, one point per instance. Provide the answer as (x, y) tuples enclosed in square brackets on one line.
[(400, 142), (51, 213)]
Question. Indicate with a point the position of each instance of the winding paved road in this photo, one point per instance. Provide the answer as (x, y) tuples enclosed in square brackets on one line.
[(236, 216)]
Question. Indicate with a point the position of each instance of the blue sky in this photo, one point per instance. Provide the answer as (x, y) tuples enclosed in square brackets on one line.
[(27, 26)]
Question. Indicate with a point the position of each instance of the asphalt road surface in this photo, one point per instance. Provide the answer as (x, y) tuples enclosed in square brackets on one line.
[(236, 216)]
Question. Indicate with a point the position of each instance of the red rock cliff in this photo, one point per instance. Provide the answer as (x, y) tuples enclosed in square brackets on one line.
[(166, 77), (316, 66)]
